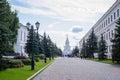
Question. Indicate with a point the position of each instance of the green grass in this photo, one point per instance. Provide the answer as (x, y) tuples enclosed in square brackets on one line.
[(109, 61), (21, 73)]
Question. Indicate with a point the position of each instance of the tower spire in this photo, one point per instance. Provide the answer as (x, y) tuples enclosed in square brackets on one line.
[(67, 49), (67, 41)]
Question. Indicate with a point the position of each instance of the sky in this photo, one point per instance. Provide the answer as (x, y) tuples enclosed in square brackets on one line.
[(59, 18)]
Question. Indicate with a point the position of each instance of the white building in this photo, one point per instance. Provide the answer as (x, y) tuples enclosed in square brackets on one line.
[(67, 48), (21, 40), (105, 26)]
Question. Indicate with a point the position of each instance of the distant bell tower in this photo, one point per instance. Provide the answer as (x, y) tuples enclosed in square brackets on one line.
[(67, 48)]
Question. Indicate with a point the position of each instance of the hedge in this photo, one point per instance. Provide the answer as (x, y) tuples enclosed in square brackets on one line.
[(3, 64), (15, 63), (26, 61)]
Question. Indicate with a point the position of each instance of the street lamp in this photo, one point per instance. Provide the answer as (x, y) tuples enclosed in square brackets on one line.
[(31, 28), (37, 26)]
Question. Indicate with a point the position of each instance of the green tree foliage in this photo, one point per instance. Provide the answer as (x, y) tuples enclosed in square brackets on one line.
[(92, 44), (41, 45), (9, 25), (46, 48), (49, 48), (75, 51), (116, 43), (102, 49), (31, 45), (39, 42), (55, 50), (39, 49), (88, 49), (83, 50)]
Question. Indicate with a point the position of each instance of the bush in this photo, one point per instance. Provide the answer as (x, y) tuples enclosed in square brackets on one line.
[(40, 56), (26, 61), (37, 59), (20, 57), (15, 63), (102, 56), (3, 64)]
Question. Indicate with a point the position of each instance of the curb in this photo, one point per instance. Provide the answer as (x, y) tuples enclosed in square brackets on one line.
[(34, 75)]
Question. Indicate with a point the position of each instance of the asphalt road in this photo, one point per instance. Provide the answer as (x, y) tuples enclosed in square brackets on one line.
[(79, 69)]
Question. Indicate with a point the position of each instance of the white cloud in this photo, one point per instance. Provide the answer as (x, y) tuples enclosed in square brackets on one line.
[(34, 11), (76, 29), (73, 10), (52, 25), (76, 38)]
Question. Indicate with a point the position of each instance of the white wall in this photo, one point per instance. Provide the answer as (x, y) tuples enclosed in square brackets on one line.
[(21, 40)]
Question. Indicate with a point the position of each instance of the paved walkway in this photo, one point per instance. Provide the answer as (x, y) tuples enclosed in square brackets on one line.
[(77, 69)]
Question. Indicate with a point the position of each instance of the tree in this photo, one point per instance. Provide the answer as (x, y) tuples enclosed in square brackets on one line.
[(49, 48), (46, 49), (75, 51), (39, 48), (31, 46), (33, 40), (92, 44), (116, 43), (102, 49), (9, 24), (55, 50), (88, 49), (83, 50)]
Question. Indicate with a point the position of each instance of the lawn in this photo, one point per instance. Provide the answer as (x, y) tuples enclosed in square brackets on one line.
[(109, 61), (21, 73)]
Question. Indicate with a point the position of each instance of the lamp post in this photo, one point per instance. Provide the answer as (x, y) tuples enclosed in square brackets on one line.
[(37, 26), (32, 61), (32, 45)]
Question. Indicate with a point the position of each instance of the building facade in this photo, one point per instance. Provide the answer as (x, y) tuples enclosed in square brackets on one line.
[(21, 40), (105, 26), (67, 48)]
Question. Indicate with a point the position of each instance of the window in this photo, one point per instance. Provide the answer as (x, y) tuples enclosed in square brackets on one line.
[(109, 48), (108, 20), (114, 15), (112, 33), (21, 50), (118, 13), (111, 18), (24, 36), (104, 24), (109, 35), (104, 36), (21, 35)]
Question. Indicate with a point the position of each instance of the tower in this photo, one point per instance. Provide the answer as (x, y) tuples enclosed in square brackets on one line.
[(67, 48)]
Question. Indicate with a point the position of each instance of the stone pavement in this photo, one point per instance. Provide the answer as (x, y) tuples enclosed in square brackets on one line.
[(79, 69)]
